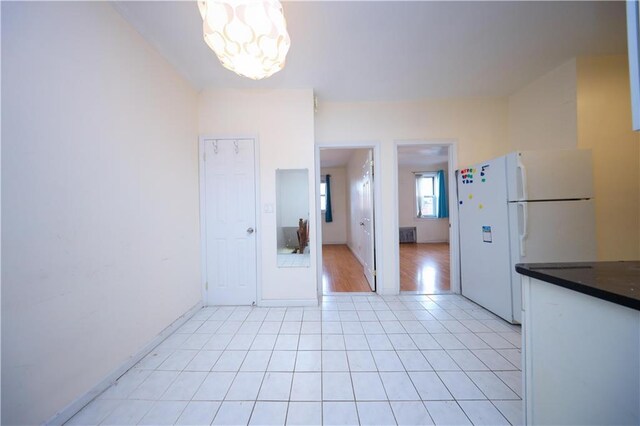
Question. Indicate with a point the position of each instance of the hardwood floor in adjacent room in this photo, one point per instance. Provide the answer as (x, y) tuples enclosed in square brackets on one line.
[(424, 268), (341, 271)]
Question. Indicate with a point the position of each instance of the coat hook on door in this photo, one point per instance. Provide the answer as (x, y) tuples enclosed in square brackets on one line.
[(215, 147), (235, 143)]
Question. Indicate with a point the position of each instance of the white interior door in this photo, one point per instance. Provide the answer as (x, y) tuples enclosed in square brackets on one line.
[(230, 217), (366, 224)]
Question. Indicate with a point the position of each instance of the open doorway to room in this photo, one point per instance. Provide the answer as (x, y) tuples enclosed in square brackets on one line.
[(347, 212), (423, 218)]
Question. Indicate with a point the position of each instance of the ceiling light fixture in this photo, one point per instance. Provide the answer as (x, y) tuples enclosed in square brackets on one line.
[(249, 36)]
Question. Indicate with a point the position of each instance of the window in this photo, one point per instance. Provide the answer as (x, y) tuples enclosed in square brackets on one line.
[(323, 196), (426, 195)]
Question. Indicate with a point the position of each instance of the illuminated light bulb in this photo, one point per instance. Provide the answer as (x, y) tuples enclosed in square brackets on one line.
[(249, 36)]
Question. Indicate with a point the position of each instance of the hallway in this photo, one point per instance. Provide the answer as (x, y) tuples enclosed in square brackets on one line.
[(424, 268), (341, 271)]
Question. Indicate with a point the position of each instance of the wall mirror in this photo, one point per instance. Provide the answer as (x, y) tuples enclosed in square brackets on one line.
[(292, 216)]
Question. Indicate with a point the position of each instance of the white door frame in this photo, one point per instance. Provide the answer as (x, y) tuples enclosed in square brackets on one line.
[(454, 249), (203, 213), (377, 206)]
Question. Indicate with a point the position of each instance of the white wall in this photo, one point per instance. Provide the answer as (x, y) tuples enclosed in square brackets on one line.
[(336, 232), (585, 103), (99, 201), (428, 230), (604, 126), (542, 115), (283, 121), (479, 127)]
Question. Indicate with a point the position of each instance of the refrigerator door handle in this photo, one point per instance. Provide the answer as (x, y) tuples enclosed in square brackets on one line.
[(523, 177), (524, 231)]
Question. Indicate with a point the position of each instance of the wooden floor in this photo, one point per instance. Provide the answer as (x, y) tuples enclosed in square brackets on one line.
[(341, 271), (424, 268)]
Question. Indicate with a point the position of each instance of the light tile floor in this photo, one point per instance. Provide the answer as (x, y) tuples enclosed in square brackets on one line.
[(291, 260), (365, 359)]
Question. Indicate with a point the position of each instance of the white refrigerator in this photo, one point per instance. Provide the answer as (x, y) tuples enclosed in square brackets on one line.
[(525, 207)]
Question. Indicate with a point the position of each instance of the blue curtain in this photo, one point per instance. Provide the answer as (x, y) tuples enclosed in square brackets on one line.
[(443, 204), (328, 216)]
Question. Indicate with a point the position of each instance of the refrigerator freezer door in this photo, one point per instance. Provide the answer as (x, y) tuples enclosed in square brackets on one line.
[(554, 231), (550, 175), (484, 236)]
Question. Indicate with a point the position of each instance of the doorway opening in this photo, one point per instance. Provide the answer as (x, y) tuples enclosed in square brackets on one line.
[(424, 205), (346, 189)]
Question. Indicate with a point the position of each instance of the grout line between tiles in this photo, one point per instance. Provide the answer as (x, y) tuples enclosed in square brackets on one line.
[(347, 309)]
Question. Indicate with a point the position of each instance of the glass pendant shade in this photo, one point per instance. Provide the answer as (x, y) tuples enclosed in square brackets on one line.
[(249, 36)]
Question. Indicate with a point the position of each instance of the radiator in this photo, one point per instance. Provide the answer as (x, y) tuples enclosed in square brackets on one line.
[(408, 234)]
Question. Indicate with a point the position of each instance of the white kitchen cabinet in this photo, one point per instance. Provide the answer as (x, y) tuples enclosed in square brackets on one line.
[(581, 358)]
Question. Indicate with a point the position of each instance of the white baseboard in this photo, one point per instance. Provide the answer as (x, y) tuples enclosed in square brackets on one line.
[(282, 303), (356, 255), (72, 409)]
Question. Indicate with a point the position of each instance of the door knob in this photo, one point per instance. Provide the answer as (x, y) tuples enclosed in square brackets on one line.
[(249, 230)]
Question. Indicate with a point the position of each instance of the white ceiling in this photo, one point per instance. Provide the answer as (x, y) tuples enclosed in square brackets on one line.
[(421, 157), (373, 50), (338, 157)]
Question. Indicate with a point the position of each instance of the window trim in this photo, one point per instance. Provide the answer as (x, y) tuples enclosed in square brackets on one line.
[(434, 197), (323, 181)]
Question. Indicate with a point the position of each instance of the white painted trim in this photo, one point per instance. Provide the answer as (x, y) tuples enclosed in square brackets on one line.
[(318, 180), (258, 227), (276, 303), (203, 223), (453, 216), (73, 408), (377, 207), (454, 242)]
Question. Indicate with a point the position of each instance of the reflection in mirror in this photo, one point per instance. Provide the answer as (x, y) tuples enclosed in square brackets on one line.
[(292, 211)]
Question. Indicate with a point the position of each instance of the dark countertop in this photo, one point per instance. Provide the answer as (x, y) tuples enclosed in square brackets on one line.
[(616, 282)]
